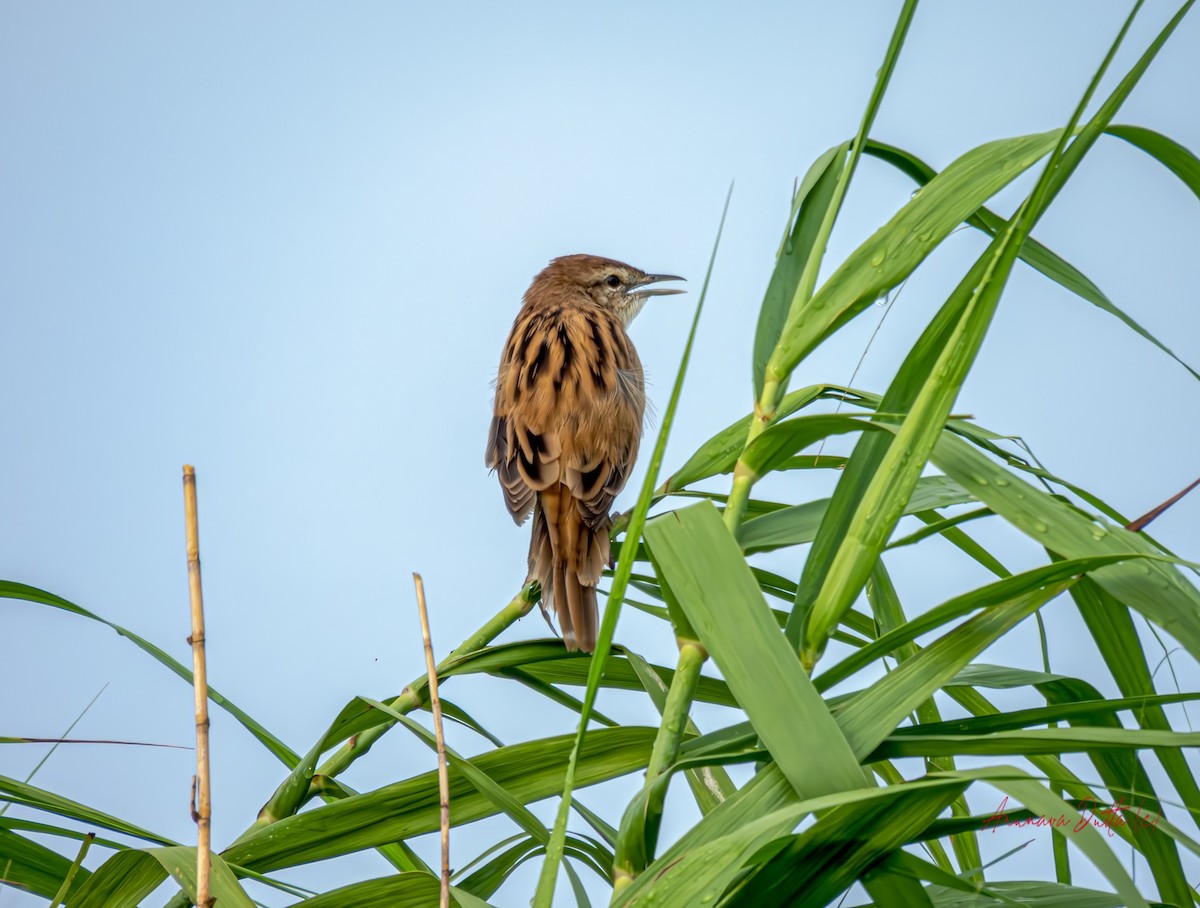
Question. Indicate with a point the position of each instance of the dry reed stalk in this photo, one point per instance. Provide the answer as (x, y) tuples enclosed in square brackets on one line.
[(202, 796), (435, 707)]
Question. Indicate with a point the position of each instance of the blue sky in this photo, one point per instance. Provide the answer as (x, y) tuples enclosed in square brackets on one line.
[(284, 242)]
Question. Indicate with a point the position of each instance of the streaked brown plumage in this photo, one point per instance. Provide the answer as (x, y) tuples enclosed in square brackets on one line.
[(567, 422)]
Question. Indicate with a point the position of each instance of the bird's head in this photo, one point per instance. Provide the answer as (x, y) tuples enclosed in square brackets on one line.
[(607, 282)]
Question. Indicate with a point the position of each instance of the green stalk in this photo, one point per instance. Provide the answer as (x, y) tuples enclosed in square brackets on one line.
[(291, 795), (634, 852), (775, 381), (692, 656)]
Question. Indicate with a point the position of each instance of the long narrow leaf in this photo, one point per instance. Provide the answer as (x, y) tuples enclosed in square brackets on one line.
[(530, 771), (1173, 155), (1155, 588), (809, 210), (285, 755), (893, 252), (722, 600)]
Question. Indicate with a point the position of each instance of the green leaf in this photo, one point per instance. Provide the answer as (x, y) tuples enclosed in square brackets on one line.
[(1176, 158), (1024, 742), (1153, 587), (285, 755), (12, 825), (809, 210), (29, 865), (703, 873), (778, 443), (825, 859), (902, 865), (404, 890), (720, 453), (698, 868), (878, 483), (892, 890), (1181, 161), (500, 797), (618, 674), (870, 716), (180, 862), (894, 251), (529, 771), (39, 799), (1086, 712), (799, 524), (121, 882), (1111, 626), (992, 594), (930, 378), (126, 878), (489, 871), (1027, 895), (1122, 771), (708, 574), (711, 785)]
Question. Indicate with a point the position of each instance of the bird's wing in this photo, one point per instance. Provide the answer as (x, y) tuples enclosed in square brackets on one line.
[(523, 442)]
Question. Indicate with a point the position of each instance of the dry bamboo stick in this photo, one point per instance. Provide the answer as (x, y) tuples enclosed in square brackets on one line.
[(202, 795), (435, 707)]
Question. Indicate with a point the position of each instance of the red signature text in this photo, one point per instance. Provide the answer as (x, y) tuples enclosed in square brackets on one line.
[(1108, 817)]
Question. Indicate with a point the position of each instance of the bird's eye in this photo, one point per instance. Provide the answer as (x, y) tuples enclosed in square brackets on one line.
[(613, 281)]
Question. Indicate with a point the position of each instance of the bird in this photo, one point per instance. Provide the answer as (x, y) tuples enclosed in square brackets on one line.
[(567, 422)]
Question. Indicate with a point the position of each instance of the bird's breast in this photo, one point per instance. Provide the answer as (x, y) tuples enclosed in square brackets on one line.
[(571, 366)]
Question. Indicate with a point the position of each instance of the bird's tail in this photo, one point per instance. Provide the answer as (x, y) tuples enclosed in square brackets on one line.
[(567, 557)]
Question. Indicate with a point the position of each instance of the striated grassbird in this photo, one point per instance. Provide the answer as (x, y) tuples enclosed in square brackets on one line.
[(566, 424)]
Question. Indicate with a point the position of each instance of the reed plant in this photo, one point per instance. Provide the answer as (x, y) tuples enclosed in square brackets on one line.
[(836, 691)]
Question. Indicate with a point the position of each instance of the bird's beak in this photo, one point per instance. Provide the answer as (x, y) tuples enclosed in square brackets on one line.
[(643, 288)]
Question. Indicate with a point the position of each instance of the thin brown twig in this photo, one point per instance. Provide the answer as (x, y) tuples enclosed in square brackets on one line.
[(1141, 523), (202, 811), (435, 706)]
